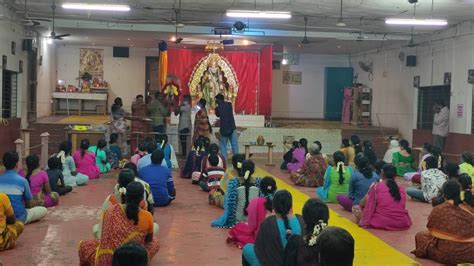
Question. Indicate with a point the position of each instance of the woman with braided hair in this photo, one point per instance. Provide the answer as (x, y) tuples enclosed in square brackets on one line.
[(258, 209), (238, 191), (384, 204), (274, 232), (336, 179), (301, 250)]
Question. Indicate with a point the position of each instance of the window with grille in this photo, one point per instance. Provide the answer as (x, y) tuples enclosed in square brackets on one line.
[(427, 96), (9, 94)]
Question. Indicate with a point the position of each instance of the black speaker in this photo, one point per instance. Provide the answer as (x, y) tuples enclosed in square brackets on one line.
[(121, 52), (411, 60)]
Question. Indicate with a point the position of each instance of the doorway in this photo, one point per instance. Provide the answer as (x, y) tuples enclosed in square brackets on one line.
[(151, 76), (336, 79)]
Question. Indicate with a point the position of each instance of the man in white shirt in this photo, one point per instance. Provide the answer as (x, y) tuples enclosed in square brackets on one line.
[(440, 124)]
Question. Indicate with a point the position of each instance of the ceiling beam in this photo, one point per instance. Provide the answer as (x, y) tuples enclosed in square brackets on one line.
[(190, 29)]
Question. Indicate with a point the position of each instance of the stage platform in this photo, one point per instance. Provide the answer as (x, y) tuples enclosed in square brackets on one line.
[(330, 133)]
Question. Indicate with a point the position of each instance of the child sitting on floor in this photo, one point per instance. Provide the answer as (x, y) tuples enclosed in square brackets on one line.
[(213, 150), (288, 157), (56, 178), (217, 196), (140, 153), (211, 176), (114, 152)]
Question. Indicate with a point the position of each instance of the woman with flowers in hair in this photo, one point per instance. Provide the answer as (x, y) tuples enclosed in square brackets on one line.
[(311, 173), (126, 177), (274, 233), (336, 179), (239, 191), (258, 209), (121, 223), (302, 249)]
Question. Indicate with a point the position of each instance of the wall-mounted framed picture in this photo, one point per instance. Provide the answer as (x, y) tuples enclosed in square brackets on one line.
[(447, 78), (13, 48), (470, 76), (292, 77), (20, 66), (416, 81)]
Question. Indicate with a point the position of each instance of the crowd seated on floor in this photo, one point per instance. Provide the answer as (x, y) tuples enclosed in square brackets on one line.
[(260, 217)]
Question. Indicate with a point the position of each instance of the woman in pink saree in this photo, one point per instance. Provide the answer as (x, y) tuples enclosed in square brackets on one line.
[(299, 156), (258, 209), (384, 204)]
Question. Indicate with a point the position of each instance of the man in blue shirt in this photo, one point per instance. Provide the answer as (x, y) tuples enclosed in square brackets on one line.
[(160, 180), (227, 126), (146, 160), (18, 191)]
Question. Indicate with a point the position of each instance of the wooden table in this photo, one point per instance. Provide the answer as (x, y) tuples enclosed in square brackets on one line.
[(77, 135), (270, 152)]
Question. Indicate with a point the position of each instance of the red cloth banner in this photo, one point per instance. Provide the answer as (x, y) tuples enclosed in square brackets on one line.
[(253, 70)]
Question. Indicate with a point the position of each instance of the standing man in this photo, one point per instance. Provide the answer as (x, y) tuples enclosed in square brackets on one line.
[(158, 111), (139, 121), (228, 129), (184, 125), (440, 124)]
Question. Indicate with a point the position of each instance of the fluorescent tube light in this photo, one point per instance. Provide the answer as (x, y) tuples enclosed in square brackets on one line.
[(98, 7), (416, 22), (257, 14)]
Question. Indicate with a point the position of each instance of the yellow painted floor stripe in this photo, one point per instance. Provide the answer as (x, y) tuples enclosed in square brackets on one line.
[(369, 250)]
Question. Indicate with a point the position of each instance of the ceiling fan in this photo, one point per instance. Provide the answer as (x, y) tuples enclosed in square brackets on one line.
[(53, 35), (177, 22), (33, 21)]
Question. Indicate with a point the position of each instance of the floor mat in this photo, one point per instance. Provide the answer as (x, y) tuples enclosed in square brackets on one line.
[(369, 250)]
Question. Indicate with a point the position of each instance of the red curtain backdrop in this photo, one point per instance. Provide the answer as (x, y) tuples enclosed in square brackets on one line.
[(265, 93), (253, 70)]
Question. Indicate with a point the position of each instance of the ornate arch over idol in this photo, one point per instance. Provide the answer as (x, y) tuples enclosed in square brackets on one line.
[(212, 75)]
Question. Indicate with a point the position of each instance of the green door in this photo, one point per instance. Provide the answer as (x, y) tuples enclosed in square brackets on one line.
[(336, 79)]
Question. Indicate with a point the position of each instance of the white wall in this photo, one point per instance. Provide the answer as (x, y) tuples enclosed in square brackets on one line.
[(14, 32), (126, 76), (47, 78), (395, 98), (305, 100)]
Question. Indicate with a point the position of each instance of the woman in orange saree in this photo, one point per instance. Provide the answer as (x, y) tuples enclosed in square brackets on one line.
[(450, 235), (121, 224), (202, 126)]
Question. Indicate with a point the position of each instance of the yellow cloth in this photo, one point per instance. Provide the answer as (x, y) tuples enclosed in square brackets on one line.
[(9, 233), (163, 67), (466, 168)]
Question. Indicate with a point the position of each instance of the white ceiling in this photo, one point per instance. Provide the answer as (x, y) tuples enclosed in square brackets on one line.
[(359, 15)]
